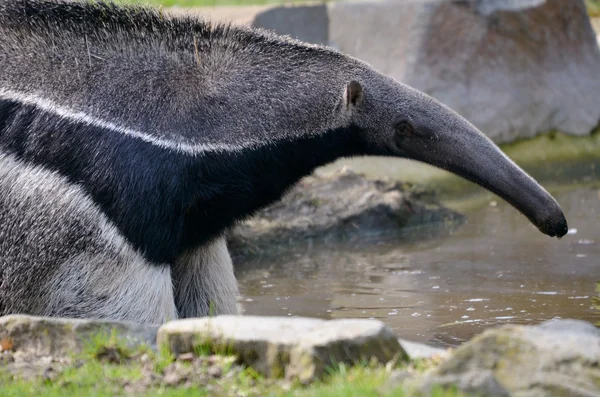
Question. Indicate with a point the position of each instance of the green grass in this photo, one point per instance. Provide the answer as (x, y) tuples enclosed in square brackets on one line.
[(107, 367), (593, 7), (102, 379)]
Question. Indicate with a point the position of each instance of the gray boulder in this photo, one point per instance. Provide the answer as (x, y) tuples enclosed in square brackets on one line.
[(556, 358), (514, 68), (295, 348), (306, 23)]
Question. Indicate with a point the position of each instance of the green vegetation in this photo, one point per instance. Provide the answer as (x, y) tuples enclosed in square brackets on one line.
[(108, 367), (554, 146), (593, 7)]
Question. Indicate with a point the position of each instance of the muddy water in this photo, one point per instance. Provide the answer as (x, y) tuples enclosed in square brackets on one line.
[(496, 268)]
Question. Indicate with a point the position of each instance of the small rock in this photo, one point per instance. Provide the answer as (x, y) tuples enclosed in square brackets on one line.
[(186, 357), (144, 358), (556, 358), (297, 348), (176, 374), (215, 371), (174, 379)]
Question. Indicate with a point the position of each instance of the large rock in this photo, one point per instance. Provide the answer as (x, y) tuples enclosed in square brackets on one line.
[(341, 205), (58, 337), (556, 358), (297, 348), (513, 68), (306, 23)]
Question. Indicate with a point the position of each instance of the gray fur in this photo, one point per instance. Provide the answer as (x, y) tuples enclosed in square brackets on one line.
[(205, 282)]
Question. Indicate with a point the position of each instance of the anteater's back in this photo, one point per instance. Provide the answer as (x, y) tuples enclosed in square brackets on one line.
[(168, 77), (130, 66)]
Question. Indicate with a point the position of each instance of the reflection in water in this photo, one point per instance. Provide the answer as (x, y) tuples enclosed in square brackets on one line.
[(496, 268)]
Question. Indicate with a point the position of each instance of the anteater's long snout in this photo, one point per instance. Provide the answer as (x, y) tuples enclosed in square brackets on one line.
[(477, 159), (456, 145)]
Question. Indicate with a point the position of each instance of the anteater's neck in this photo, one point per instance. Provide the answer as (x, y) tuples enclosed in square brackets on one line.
[(230, 187)]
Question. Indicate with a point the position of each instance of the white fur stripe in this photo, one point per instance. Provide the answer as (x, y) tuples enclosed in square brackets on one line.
[(81, 117)]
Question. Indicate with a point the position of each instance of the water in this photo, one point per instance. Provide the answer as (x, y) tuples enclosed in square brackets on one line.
[(494, 269)]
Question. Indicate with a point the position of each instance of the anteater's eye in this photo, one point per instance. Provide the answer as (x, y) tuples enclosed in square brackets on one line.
[(404, 128)]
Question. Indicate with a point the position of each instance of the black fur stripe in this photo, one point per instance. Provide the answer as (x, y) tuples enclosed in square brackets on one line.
[(162, 201), (137, 185)]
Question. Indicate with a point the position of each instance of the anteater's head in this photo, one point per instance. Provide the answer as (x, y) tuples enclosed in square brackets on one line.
[(400, 121)]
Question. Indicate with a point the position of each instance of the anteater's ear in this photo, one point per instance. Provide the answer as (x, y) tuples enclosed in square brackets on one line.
[(353, 94)]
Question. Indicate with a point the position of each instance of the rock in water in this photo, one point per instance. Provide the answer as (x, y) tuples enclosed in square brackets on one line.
[(297, 348), (514, 68), (556, 358), (343, 205)]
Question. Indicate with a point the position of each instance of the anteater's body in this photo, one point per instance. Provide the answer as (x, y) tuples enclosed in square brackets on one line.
[(130, 141)]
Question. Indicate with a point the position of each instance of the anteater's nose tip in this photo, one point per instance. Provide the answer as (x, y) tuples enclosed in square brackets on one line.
[(562, 228), (556, 226)]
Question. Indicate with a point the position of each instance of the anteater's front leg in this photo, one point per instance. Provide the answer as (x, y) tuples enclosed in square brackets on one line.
[(204, 281)]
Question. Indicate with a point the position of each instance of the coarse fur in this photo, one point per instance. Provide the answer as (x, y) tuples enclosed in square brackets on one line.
[(204, 281), (137, 139)]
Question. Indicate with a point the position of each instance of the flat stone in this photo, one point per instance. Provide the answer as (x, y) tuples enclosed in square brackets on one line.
[(417, 350), (46, 336), (557, 358), (295, 348)]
